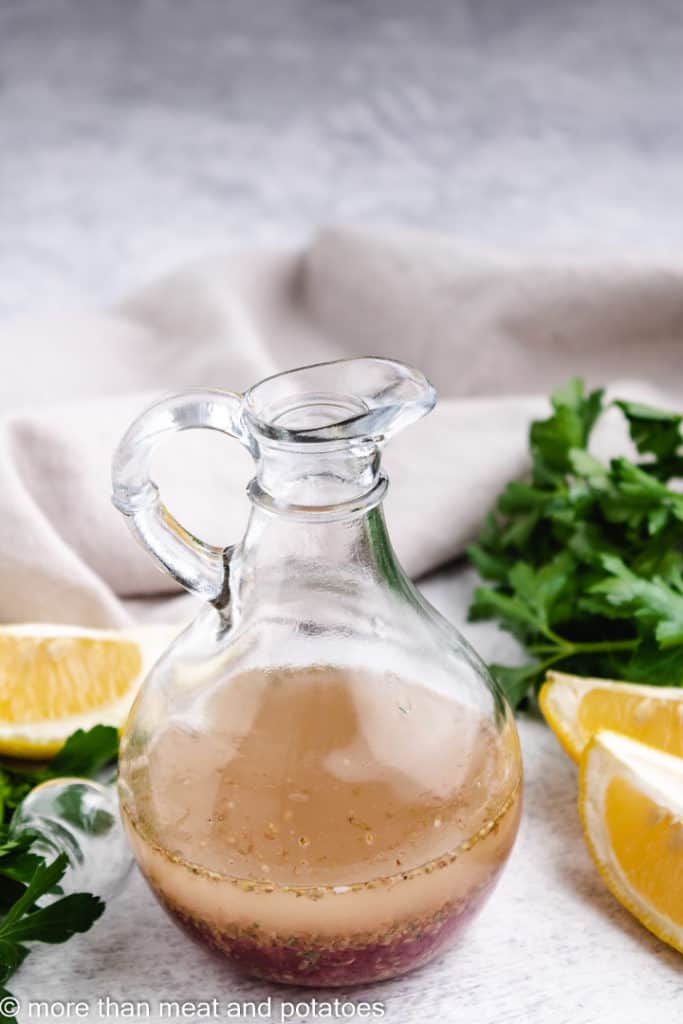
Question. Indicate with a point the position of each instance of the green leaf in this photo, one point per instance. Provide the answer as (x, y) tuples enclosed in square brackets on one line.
[(531, 607), (513, 612), (56, 922), (638, 499), (10, 960), (665, 469), (515, 682), (553, 439), (657, 518), (489, 534), (572, 396), (589, 468), (568, 428), (587, 542), (660, 555), (521, 497), (636, 483), (654, 431), (653, 602), (6, 1018), (655, 666), (586, 556), (13, 789), (43, 880), (25, 878), (9, 845), (85, 753), (517, 534), (10, 891), (490, 566), (20, 866), (25, 921), (540, 589)]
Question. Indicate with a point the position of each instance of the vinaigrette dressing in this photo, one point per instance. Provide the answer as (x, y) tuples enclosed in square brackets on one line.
[(324, 829)]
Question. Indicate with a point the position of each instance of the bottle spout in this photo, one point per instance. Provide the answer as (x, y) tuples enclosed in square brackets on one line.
[(363, 399)]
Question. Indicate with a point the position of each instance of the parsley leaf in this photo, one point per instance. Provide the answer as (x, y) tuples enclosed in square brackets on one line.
[(26, 878), (85, 753), (653, 430), (585, 558)]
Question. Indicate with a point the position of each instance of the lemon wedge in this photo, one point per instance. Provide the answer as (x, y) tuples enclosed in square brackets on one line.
[(631, 806), (56, 679), (576, 708)]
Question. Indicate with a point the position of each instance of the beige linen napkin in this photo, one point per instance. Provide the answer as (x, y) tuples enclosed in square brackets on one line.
[(494, 334)]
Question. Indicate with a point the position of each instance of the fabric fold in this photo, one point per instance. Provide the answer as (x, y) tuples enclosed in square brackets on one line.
[(494, 333)]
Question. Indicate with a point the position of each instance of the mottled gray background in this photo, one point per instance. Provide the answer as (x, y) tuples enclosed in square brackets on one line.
[(138, 134)]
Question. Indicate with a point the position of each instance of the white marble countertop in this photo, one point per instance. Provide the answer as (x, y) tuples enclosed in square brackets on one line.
[(139, 135), (552, 946)]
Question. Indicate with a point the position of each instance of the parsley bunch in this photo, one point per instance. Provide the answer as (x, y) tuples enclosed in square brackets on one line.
[(585, 558), (25, 875)]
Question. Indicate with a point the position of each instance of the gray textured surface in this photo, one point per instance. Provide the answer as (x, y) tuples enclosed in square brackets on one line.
[(138, 134)]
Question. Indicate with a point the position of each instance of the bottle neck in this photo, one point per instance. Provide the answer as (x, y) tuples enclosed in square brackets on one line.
[(316, 527), (331, 480)]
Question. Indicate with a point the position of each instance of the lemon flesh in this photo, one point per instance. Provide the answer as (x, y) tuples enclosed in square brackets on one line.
[(55, 679), (631, 805), (576, 708)]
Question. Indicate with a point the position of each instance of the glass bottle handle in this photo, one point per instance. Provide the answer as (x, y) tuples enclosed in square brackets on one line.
[(197, 566)]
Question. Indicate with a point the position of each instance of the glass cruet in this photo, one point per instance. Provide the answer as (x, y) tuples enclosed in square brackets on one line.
[(319, 777)]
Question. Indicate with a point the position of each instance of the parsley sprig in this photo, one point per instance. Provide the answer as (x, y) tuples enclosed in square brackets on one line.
[(586, 558), (27, 876)]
